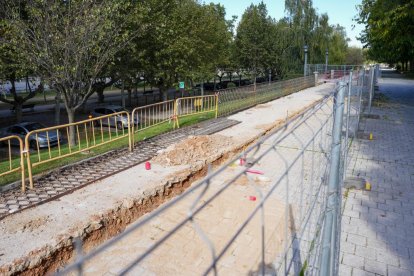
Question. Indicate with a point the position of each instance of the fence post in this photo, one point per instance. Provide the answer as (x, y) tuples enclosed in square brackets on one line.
[(329, 238), (361, 91), (371, 89), (175, 116), (348, 118), (217, 104), (130, 130)]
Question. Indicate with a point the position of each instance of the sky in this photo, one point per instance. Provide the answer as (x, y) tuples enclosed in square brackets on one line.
[(339, 11)]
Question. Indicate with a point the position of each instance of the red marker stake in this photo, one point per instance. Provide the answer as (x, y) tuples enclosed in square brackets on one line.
[(252, 198), (254, 171)]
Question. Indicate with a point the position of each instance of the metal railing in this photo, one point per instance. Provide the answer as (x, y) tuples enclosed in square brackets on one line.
[(195, 105), (14, 161), (58, 142), (152, 115), (51, 144)]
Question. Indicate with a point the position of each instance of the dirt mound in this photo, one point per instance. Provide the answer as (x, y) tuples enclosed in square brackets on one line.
[(193, 149)]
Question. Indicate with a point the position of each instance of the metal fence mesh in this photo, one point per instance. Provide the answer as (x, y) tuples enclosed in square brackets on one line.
[(236, 99), (263, 212)]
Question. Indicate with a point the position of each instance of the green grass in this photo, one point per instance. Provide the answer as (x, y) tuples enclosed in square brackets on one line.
[(117, 144)]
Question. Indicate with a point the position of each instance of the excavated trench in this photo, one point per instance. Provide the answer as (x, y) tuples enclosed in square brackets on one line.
[(114, 222)]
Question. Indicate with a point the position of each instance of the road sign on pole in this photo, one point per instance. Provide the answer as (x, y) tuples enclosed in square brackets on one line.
[(182, 85)]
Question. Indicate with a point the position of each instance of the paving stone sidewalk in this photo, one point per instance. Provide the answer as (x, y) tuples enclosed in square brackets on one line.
[(378, 226)]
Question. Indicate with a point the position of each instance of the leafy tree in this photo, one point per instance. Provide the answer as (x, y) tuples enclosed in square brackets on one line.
[(354, 56), (338, 45), (389, 30), (183, 40), (13, 67), (253, 42), (69, 43)]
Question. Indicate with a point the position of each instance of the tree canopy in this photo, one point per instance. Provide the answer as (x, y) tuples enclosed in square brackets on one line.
[(79, 47), (389, 30)]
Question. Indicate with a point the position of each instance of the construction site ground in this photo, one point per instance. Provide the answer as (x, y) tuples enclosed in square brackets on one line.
[(39, 240)]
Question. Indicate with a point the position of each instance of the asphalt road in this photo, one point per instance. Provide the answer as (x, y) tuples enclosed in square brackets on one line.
[(398, 90), (44, 113)]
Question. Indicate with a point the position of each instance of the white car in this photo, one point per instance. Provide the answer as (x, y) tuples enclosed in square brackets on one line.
[(119, 120)]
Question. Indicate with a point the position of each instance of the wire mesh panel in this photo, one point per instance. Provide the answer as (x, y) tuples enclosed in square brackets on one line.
[(279, 188), (275, 208), (236, 99)]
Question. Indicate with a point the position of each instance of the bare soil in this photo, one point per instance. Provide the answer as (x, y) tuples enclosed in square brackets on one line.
[(193, 150)]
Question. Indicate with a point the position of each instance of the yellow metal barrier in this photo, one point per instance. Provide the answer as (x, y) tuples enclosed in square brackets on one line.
[(195, 105), (11, 165), (152, 115), (65, 140)]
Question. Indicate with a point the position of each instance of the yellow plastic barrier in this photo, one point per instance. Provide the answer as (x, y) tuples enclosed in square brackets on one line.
[(195, 105), (58, 142), (10, 165)]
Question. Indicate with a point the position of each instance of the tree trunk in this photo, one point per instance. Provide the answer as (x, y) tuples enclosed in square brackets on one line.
[(123, 96), (101, 96), (57, 108), (18, 111), (129, 97), (202, 88), (72, 132), (163, 93), (412, 65), (240, 80), (255, 92), (136, 91)]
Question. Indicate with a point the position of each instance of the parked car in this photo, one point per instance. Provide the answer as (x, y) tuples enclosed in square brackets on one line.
[(118, 120), (22, 129)]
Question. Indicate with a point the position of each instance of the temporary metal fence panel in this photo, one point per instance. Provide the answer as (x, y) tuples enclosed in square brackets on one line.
[(236, 99), (152, 115), (296, 215), (58, 142), (13, 162), (190, 106), (278, 232), (292, 178), (323, 69)]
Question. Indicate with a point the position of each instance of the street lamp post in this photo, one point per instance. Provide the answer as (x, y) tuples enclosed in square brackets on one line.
[(305, 49), (326, 60)]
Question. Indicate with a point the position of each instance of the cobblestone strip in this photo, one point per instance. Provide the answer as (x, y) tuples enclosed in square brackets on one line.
[(378, 225), (62, 181)]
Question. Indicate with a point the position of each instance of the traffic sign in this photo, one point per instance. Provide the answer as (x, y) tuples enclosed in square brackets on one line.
[(181, 85)]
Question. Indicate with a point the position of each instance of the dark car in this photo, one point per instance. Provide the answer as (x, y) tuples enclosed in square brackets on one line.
[(23, 129)]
